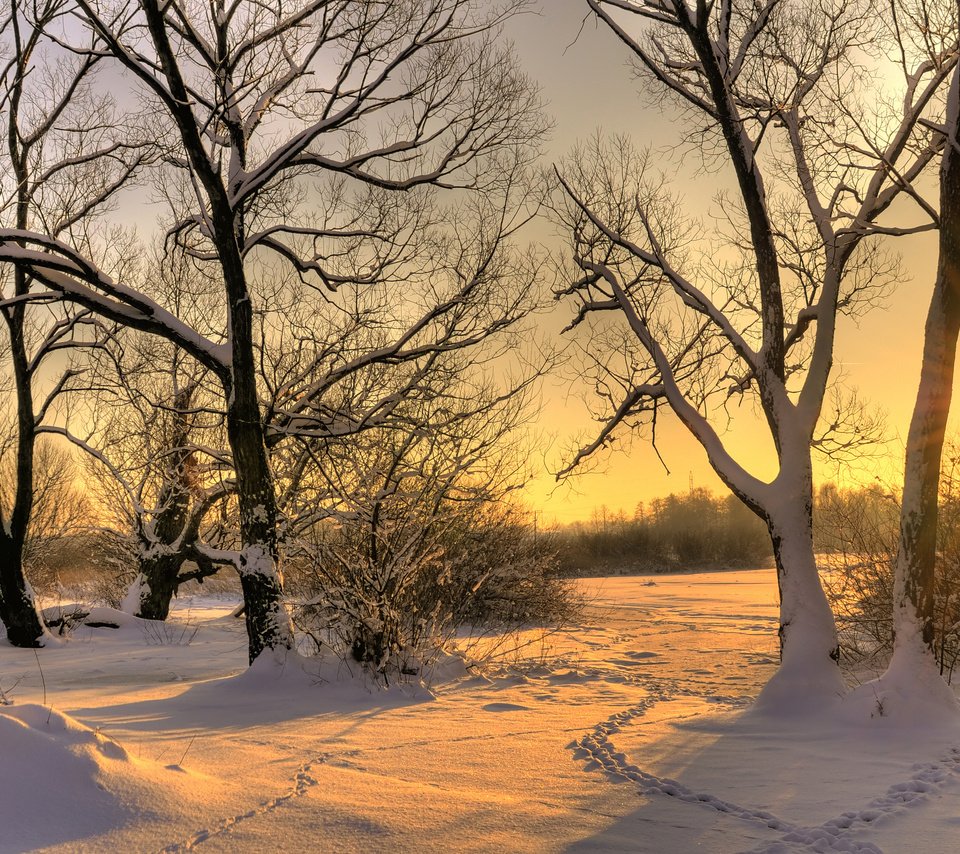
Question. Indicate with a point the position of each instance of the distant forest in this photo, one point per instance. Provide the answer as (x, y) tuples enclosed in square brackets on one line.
[(695, 530), (700, 530)]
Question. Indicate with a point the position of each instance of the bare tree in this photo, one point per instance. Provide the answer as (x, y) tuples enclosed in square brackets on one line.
[(149, 421), (64, 164), (774, 90), (153, 442), (915, 581), (377, 104)]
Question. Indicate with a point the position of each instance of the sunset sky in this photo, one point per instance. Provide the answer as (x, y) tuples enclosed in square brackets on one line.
[(589, 86), (586, 79)]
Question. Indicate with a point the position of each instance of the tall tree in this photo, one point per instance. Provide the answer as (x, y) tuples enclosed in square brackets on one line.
[(313, 135), (765, 87), (914, 595), (65, 161)]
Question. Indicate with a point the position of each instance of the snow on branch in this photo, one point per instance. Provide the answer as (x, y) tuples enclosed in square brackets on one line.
[(65, 271)]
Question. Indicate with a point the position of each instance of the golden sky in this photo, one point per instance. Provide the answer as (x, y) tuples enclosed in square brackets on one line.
[(584, 75)]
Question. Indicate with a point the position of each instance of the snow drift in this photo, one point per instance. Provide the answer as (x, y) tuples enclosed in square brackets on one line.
[(63, 781)]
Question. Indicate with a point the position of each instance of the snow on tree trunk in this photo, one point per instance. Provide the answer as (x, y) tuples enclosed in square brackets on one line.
[(268, 624), (808, 675), (131, 600)]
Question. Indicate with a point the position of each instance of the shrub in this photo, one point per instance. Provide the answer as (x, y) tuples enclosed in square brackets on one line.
[(392, 595)]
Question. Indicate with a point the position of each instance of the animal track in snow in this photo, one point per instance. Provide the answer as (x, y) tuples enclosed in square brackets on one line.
[(302, 781), (599, 752), (926, 781)]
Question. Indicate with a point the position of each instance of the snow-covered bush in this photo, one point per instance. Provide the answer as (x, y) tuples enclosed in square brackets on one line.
[(391, 595), (497, 572)]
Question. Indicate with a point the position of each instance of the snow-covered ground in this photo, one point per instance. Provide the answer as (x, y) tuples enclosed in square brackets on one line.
[(628, 732)]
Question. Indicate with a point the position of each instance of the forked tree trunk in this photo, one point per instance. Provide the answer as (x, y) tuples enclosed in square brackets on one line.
[(160, 562), (158, 580), (914, 581)]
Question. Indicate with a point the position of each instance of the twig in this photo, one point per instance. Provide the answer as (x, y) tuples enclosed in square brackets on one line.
[(185, 752), (43, 682)]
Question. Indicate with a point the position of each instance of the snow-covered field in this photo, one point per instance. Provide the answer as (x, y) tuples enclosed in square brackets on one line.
[(628, 732)]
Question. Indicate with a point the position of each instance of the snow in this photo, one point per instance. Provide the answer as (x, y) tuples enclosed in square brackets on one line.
[(256, 560), (910, 692), (632, 730), (135, 593), (62, 780)]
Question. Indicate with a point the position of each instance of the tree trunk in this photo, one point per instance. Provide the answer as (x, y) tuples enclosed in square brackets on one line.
[(809, 650), (916, 556), (914, 588), (268, 624), (158, 584), (807, 626), (17, 609)]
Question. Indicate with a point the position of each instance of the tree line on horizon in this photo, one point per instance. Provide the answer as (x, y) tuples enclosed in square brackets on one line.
[(693, 530)]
